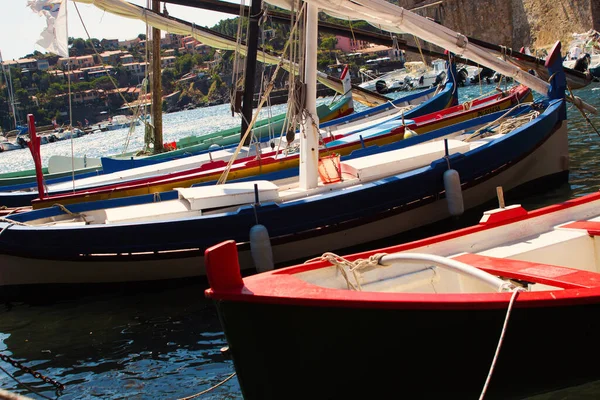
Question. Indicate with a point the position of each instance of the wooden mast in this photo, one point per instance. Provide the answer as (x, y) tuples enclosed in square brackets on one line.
[(252, 40), (156, 85)]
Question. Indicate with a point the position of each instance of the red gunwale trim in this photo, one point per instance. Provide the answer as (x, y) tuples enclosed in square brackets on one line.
[(290, 290), (282, 287), (592, 227)]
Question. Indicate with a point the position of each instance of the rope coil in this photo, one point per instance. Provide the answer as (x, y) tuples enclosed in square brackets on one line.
[(353, 267)]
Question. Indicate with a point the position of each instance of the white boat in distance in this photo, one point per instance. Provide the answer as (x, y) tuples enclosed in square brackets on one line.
[(119, 122)]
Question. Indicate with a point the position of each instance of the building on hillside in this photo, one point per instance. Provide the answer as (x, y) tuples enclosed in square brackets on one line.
[(75, 75), (202, 48), (76, 62), (349, 45), (10, 64), (28, 63), (88, 96), (166, 62), (377, 50), (112, 57), (23, 63), (43, 65), (189, 44), (110, 44), (136, 69), (126, 59), (97, 71), (131, 43), (171, 40)]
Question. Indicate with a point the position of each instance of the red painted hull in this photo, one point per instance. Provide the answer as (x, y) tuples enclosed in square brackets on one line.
[(336, 344)]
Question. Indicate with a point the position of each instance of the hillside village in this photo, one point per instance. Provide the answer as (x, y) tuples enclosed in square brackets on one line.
[(107, 76)]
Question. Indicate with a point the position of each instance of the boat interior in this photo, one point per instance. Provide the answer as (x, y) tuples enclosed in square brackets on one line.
[(562, 257)]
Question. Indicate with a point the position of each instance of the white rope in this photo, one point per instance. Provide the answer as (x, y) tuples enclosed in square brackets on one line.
[(209, 389), (501, 118), (508, 311), (354, 267)]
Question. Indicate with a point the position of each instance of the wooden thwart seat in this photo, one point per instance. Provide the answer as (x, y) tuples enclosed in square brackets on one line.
[(552, 275)]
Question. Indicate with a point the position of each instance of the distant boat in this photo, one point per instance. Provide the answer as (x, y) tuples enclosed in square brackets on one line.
[(414, 75), (119, 122), (7, 145)]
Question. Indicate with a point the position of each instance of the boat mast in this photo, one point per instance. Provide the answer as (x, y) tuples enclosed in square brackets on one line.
[(252, 40), (309, 141), (156, 85), (11, 97)]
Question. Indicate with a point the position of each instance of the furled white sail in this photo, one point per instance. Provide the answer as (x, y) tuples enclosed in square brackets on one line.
[(396, 19)]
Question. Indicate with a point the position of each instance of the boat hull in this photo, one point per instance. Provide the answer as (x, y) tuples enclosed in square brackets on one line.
[(180, 253), (276, 346)]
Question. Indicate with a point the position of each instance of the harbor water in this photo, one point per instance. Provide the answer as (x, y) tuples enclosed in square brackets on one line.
[(166, 343)]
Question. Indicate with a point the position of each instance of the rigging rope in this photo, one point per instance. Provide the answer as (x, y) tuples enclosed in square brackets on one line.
[(223, 177), (506, 126), (103, 66), (420, 51)]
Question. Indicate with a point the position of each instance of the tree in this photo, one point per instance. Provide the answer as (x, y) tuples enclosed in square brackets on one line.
[(184, 64), (328, 43), (79, 45), (168, 79), (55, 89)]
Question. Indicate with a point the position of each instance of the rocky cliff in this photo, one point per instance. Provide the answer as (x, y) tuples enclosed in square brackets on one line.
[(514, 23)]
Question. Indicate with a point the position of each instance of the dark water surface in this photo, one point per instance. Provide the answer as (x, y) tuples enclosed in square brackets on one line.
[(166, 344)]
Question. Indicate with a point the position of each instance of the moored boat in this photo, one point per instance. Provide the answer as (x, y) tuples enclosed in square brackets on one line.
[(381, 194), (209, 166), (503, 309), (283, 163)]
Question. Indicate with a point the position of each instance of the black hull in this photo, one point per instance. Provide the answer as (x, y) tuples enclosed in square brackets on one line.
[(301, 352)]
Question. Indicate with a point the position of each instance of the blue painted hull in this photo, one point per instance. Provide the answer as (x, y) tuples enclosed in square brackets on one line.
[(435, 104), (442, 100), (286, 222)]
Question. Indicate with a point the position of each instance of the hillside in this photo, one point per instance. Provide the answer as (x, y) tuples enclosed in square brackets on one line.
[(514, 23)]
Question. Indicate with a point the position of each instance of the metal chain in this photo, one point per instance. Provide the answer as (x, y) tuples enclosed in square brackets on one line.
[(35, 374)]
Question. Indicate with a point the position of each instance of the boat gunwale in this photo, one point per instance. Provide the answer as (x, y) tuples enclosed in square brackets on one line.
[(281, 286)]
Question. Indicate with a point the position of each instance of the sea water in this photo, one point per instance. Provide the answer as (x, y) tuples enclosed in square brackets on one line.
[(166, 343)]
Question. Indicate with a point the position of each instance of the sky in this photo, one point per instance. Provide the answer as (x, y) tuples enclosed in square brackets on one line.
[(21, 27)]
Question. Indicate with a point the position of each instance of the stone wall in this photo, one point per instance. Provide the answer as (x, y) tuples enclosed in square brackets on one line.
[(513, 23)]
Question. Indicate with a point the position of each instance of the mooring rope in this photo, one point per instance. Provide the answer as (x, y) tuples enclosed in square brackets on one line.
[(502, 333), (209, 389)]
